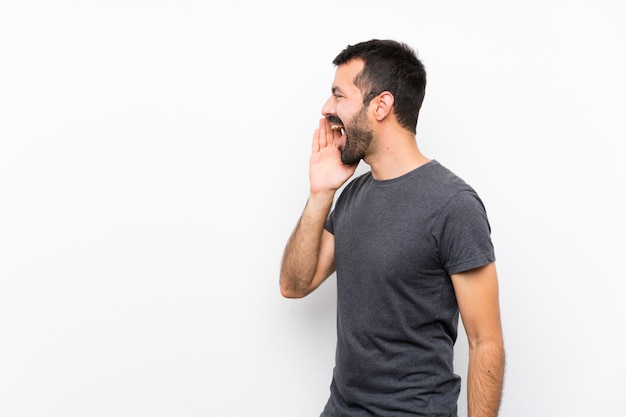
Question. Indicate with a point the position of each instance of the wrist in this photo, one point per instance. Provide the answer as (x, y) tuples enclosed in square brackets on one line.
[(321, 199)]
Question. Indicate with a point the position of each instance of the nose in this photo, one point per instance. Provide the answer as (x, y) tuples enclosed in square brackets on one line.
[(329, 107)]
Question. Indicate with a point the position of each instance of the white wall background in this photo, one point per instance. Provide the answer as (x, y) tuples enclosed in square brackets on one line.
[(153, 161)]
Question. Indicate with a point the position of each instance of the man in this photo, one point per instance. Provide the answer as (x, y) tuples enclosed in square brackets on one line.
[(410, 244)]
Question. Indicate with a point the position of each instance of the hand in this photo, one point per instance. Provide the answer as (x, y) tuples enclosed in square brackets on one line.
[(326, 171)]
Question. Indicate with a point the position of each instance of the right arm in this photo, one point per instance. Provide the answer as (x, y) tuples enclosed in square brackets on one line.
[(309, 254)]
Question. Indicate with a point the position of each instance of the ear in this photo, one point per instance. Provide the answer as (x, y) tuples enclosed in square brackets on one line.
[(383, 105)]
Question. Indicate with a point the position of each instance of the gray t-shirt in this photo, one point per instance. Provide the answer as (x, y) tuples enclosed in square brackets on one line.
[(396, 244)]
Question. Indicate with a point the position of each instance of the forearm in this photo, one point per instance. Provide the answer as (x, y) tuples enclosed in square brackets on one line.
[(485, 377), (301, 255)]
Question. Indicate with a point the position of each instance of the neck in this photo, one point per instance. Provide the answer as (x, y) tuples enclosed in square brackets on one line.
[(394, 155)]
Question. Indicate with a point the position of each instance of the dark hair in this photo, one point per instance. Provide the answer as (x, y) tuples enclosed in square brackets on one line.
[(389, 66)]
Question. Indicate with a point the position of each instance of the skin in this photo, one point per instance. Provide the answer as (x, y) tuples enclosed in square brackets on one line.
[(391, 151)]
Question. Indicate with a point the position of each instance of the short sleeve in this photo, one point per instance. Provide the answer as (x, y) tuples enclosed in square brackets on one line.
[(463, 234), (330, 222)]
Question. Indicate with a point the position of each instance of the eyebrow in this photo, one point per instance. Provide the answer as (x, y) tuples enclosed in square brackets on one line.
[(336, 89)]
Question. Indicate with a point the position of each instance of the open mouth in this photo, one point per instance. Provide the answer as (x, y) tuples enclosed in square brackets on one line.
[(337, 127)]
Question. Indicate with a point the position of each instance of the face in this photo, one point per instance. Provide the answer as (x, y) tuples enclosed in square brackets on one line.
[(344, 109)]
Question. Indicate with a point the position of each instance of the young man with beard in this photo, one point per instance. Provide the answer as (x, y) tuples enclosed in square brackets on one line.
[(410, 244)]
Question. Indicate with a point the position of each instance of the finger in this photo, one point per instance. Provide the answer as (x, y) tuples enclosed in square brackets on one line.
[(315, 146), (336, 135), (323, 132)]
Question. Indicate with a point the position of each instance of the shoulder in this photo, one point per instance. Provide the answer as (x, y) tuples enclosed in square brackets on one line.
[(443, 177), (440, 186), (356, 184)]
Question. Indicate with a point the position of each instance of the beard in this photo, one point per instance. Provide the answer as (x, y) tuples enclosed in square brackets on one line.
[(358, 138)]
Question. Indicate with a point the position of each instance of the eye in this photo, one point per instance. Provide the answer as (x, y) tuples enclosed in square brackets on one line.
[(337, 93)]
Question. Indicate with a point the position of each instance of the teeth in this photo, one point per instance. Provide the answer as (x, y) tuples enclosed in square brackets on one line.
[(336, 127)]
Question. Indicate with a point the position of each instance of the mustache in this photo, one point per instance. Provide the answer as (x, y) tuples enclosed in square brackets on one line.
[(335, 120)]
